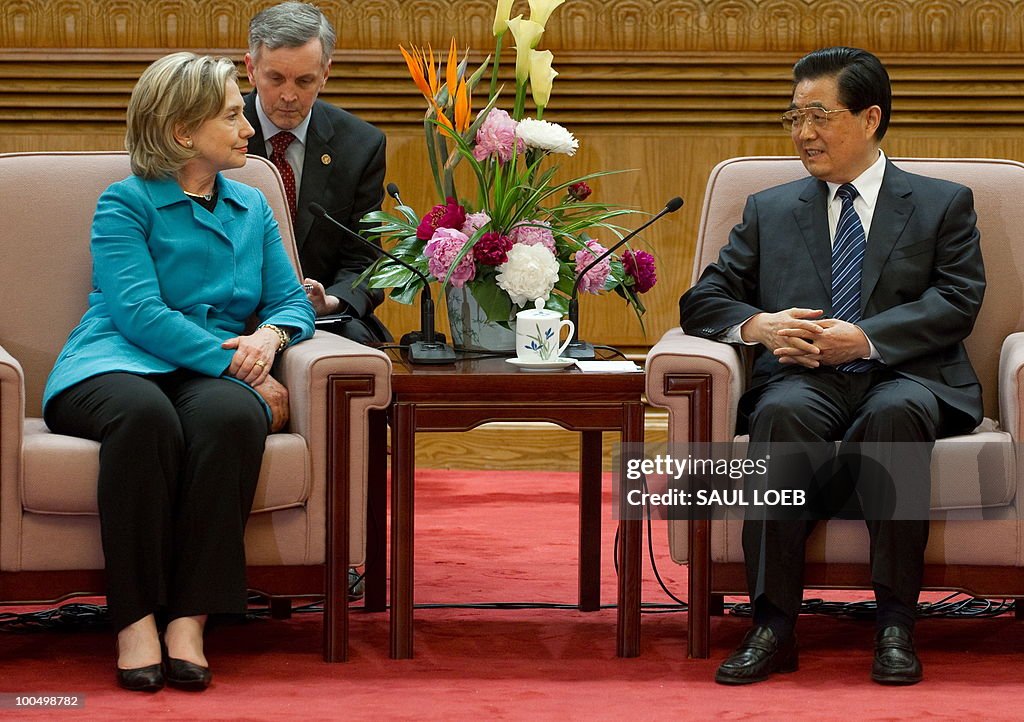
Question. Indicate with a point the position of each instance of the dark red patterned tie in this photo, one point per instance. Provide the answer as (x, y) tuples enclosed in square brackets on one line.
[(280, 143)]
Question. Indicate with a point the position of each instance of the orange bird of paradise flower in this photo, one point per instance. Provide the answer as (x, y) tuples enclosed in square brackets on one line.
[(426, 73)]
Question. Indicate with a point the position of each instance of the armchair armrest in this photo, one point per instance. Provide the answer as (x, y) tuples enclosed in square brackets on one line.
[(684, 371), (305, 367), (12, 424), (1011, 385), (365, 380)]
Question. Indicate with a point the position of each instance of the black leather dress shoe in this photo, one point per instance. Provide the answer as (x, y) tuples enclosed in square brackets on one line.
[(895, 659), (760, 654), (187, 675), (141, 679)]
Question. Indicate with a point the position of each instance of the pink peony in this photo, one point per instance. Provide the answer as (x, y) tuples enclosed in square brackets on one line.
[(593, 282), (534, 233), (497, 136), (449, 215), (492, 249), (474, 222), (442, 249), (640, 266), (579, 191)]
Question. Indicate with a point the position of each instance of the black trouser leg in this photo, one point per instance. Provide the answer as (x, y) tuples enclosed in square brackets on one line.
[(141, 447), (791, 419), (225, 430), (903, 418)]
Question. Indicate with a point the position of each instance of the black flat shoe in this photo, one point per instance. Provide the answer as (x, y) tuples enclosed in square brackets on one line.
[(895, 659), (760, 654), (186, 675), (141, 679)]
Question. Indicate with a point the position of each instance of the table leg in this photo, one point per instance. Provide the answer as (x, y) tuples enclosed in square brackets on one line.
[(376, 511), (337, 532), (630, 551), (590, 521), (698, 629), (403, 461)]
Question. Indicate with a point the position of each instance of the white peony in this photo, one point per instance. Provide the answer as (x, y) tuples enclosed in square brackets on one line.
[(550, 137), (529, 273)]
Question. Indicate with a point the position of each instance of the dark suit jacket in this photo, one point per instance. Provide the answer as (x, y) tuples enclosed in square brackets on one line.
[(343, 171), (921, 289)]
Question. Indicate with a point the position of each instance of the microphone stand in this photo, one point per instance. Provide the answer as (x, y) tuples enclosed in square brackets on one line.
[(582, 350), (425, 347)]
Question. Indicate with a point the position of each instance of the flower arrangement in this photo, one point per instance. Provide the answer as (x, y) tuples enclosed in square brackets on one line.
[(521, 234)]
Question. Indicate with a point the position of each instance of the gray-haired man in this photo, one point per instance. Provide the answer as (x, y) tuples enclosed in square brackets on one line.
[(326, 156)]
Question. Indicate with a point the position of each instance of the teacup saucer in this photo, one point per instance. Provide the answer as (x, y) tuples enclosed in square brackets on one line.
[(557, 363)]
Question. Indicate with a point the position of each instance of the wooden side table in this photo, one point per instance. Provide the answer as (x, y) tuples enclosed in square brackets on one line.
[(475, 392)]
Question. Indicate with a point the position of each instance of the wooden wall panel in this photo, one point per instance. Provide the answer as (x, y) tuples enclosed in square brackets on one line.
[(666, 87)]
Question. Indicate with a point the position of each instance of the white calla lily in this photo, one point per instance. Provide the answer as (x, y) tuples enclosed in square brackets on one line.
[(527, 34), (542, 75), (540, 10), (501, 15)]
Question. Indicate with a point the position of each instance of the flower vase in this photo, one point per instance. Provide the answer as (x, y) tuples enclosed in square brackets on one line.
[(470, 328)]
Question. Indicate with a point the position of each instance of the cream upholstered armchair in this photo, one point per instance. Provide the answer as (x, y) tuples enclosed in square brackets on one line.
[(49, 528), (976, 543)]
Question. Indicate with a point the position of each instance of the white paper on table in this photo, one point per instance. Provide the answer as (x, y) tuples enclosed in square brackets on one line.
[(608, 367)]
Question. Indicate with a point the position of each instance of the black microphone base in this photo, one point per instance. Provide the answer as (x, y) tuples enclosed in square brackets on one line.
[(431, 353), (417, 336), (579, 350)]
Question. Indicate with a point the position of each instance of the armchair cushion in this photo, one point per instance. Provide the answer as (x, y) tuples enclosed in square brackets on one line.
[(59, 473), (976, 471)]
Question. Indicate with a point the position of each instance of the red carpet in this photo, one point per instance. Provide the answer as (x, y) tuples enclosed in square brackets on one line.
[(487, 537)]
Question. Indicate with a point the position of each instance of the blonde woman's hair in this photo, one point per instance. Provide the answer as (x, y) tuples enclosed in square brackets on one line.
[(178, 91)]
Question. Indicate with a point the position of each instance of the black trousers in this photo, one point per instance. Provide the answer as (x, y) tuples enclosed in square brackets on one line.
[(828, 406), (180, 456)]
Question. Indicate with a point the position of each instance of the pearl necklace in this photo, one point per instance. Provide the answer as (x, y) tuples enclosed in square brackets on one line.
[(204, 196)]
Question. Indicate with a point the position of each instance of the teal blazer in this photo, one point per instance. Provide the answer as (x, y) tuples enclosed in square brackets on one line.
[(173, 281)]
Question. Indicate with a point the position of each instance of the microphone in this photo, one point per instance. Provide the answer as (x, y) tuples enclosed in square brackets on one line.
[(426, 346), (393, 192), (581, 349)]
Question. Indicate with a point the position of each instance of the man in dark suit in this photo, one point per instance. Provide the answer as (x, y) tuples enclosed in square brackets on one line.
[(856, 289), (325, 156)]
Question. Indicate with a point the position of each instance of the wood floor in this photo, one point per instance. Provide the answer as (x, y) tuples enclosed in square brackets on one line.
[(526, 446)]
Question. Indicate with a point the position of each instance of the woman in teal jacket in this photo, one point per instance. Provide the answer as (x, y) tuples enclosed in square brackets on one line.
[(162, 373)]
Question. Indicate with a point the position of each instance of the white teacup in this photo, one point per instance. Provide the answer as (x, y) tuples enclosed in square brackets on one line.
[(538, 334)]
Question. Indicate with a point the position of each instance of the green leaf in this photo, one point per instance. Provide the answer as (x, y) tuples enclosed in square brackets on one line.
[(392, 276), (557, 303), (408, 294), (494, 302)]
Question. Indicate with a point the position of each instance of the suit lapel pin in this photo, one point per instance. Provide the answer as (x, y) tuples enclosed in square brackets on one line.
[(325, 159)]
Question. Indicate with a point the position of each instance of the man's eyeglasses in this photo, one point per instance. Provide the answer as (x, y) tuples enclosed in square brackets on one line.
[(817, 117)]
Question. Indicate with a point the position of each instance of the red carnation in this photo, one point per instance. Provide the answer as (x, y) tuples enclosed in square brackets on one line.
[(579, 191), (639, 265), (449, 215), (492, 248)]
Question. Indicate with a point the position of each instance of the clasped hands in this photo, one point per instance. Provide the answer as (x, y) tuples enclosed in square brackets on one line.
[(254, 355), (801, 337)]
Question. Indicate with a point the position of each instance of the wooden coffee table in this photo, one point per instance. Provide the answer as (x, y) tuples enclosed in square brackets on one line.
[(474, 392)]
